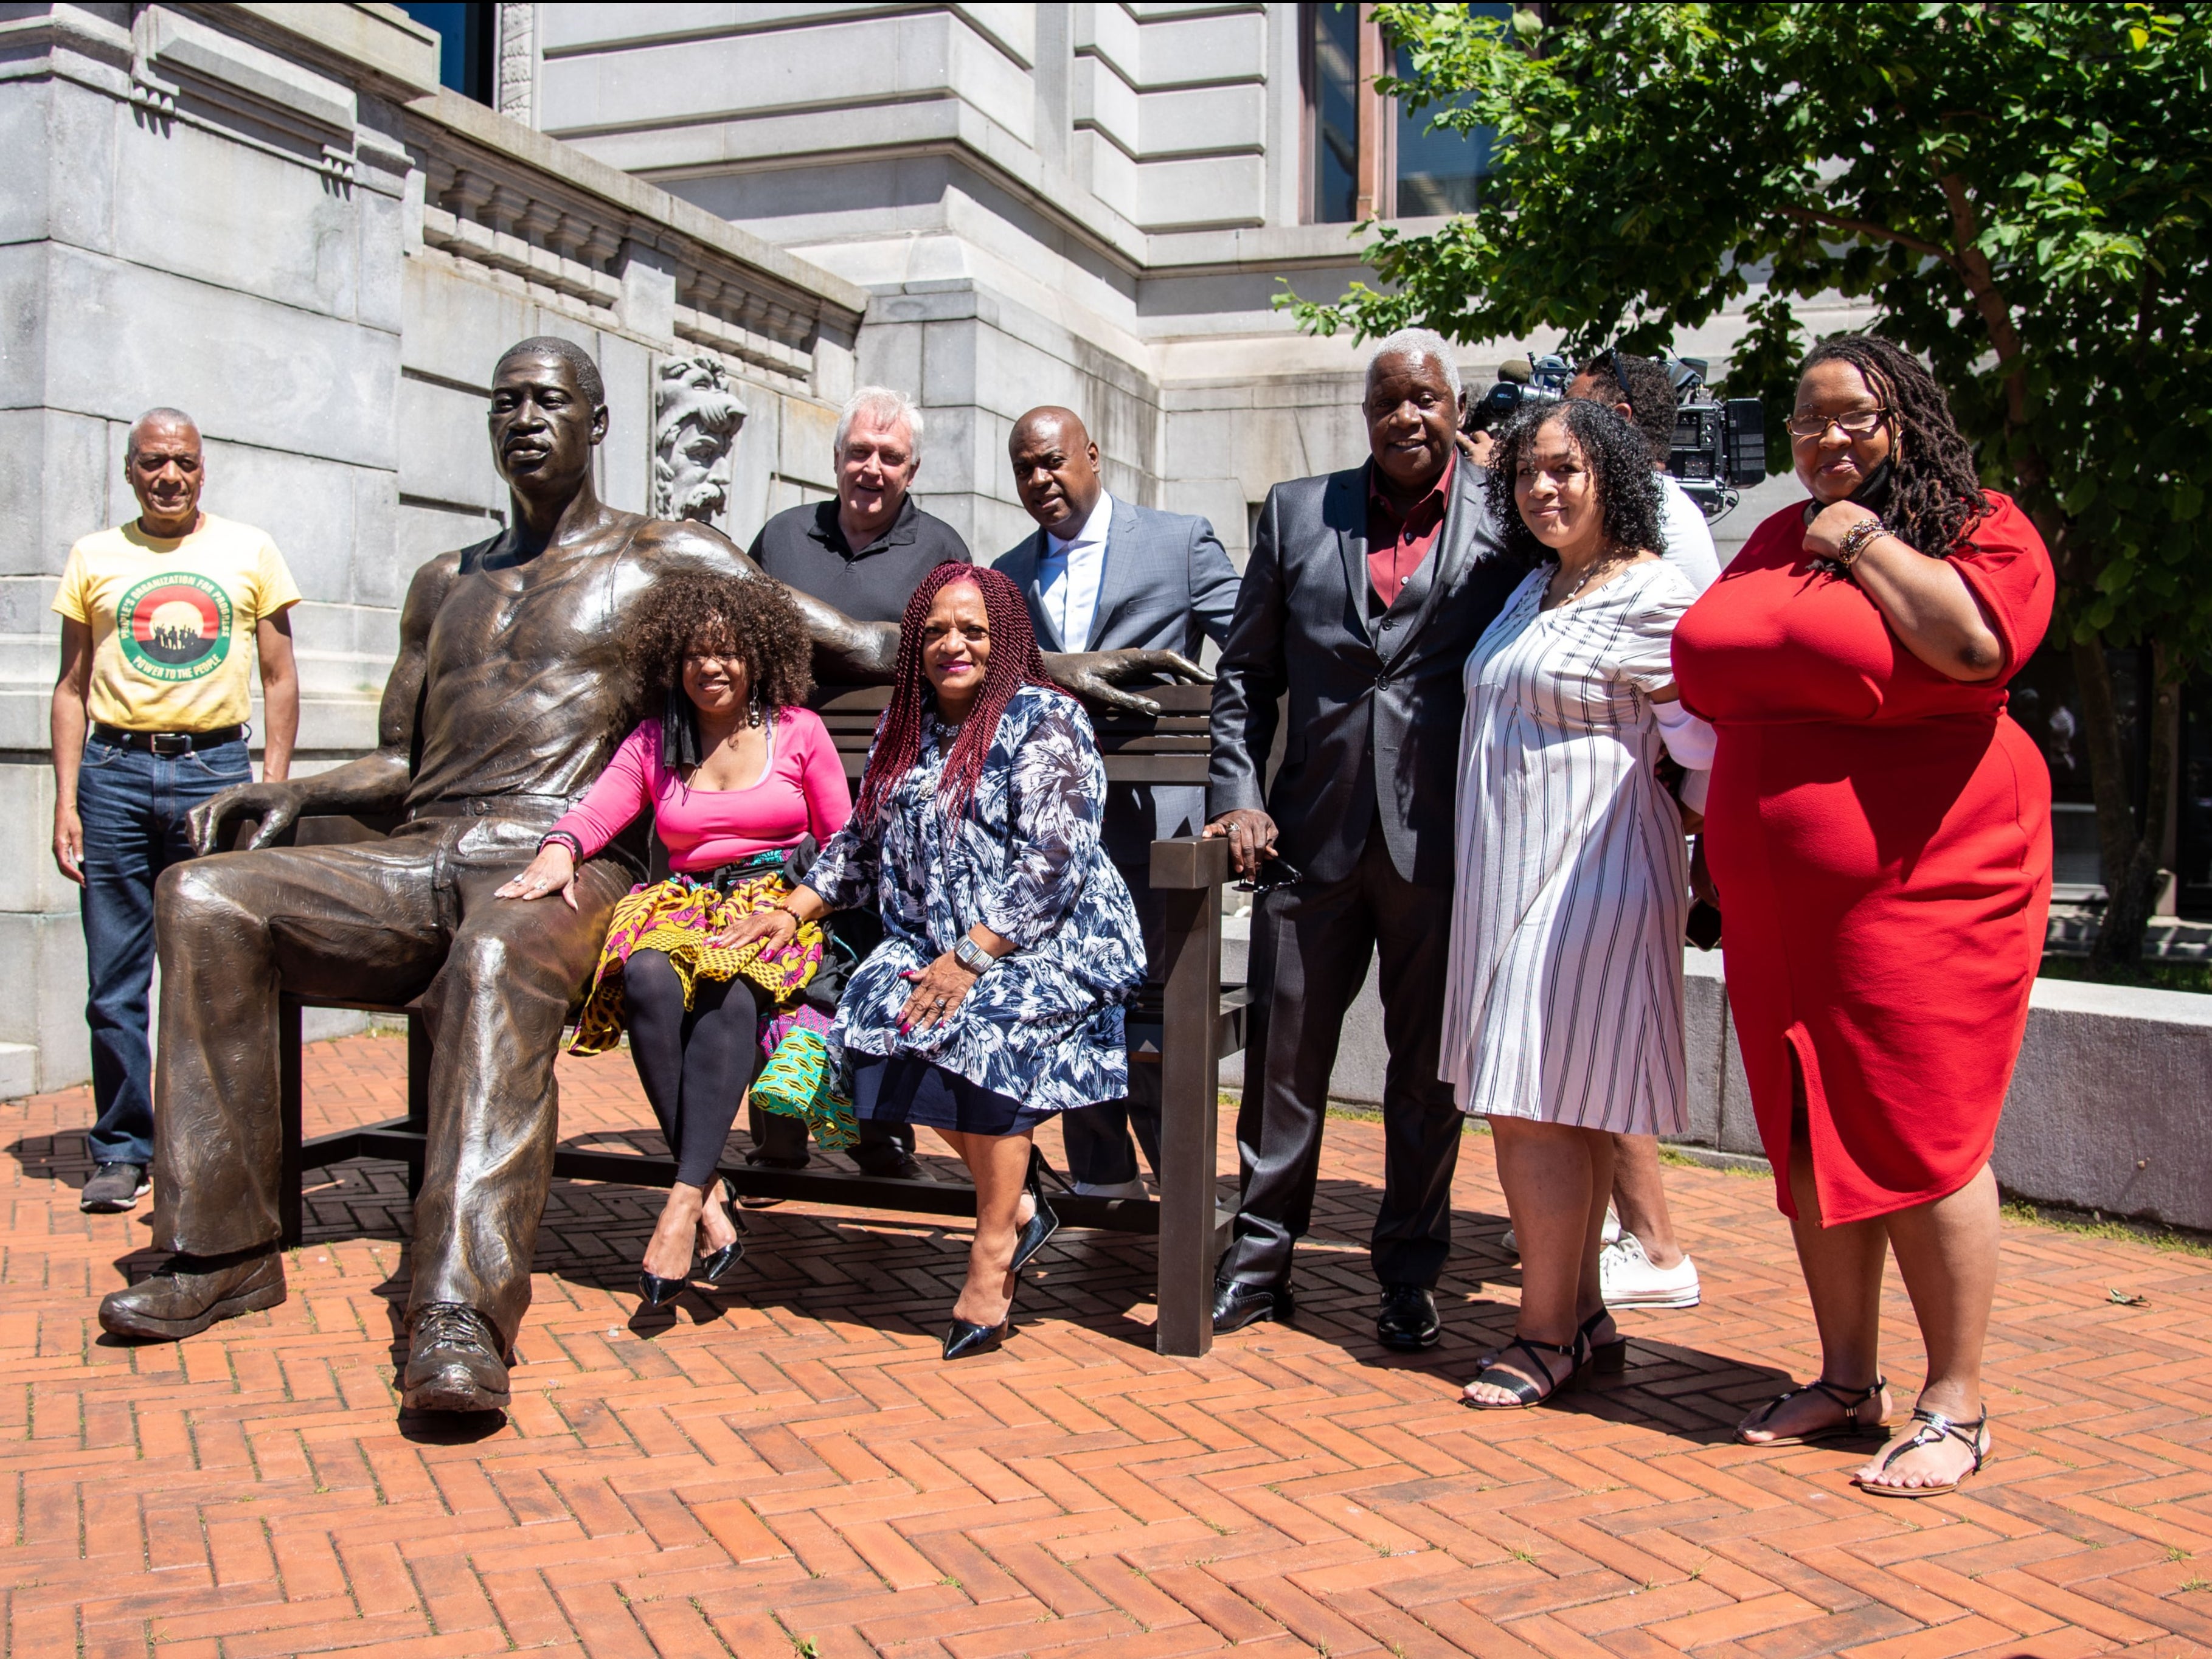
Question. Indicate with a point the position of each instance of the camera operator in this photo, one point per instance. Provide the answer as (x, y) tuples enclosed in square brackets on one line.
[(1639, 389)]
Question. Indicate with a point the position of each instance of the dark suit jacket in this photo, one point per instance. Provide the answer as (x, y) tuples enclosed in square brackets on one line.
[(1374, 701), (1167, 585)]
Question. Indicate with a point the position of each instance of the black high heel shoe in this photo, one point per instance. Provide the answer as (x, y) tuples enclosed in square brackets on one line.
[(964, 1339), (712, 1267), (1042, 1224), (657, 1290)]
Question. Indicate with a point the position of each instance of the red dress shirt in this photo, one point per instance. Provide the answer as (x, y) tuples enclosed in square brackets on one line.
[(1397, 543)]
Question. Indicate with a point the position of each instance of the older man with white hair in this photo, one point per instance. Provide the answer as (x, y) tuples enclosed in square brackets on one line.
[(1365, 591), (866, 551)]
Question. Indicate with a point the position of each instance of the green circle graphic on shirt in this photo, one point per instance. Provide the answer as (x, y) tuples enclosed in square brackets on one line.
[(174, 628)]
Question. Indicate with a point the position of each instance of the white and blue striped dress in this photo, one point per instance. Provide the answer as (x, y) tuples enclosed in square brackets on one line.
[(1563, 1000)]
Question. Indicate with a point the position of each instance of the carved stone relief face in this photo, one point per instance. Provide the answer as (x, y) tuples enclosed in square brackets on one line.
[(696, 415)]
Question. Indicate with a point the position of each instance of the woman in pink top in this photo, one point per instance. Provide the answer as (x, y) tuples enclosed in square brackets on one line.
[(737, 772)]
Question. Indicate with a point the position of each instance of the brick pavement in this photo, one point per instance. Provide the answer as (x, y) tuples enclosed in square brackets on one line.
[(790, 1469)]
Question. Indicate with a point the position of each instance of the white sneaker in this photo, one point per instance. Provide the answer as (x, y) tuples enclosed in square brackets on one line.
[(1628, 1279), (1607, 1234), (1130, 1188)]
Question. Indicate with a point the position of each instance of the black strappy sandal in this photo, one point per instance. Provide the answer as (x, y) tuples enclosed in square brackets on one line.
[(1934, 1429), (1604, 1358), (1850, 1398), (1525, 1393)]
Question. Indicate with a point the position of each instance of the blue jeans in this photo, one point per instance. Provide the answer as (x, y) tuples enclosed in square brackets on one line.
[(133, 808)]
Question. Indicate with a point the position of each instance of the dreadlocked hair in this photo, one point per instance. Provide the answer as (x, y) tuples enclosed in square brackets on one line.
[(1014, 662), (1935, 493)]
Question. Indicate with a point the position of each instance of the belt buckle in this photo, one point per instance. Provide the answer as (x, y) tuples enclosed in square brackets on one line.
[(169, 743)]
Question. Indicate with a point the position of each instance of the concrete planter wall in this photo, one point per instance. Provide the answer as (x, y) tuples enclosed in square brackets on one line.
[(2108, 1108)]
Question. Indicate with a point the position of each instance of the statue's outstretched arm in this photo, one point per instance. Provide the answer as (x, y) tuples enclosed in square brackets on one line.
[(377, 782)]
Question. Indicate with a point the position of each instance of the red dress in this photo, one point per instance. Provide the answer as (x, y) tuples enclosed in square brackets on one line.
[(1881, 837)]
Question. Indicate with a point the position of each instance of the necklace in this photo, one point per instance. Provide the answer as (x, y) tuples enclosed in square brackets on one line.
[(1583, 581)]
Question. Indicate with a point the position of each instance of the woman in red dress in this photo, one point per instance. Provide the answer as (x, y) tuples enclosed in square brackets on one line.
[(1879, 830)]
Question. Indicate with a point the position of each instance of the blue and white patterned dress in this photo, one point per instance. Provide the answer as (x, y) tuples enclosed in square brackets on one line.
[(1045, 1025)]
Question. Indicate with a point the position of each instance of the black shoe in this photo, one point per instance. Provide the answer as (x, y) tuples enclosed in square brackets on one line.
[(656, 1290), (715, 1264), (188, 1293), (456, 1361), (757, 1159), (964, 1339), (1408, 1319), (1043, 1223), (888, 1162), (113, 1188), (1236, 1304)]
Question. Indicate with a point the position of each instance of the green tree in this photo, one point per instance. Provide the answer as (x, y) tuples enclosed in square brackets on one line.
[(2020, 191)]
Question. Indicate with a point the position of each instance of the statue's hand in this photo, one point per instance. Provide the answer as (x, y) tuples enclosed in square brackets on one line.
[(1094, 676), (276, 805)]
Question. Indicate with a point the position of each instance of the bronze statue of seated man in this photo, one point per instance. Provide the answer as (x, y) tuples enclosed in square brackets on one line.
[(501, 709)]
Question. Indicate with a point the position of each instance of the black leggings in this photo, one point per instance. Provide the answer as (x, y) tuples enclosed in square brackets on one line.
[(696, 1065)]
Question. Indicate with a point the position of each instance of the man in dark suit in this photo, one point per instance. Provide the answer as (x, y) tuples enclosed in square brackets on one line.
[(1366, 591), (1099, 574)]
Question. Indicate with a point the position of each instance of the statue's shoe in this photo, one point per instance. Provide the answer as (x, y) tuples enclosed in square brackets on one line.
[(454, 1362), (188, 1293)]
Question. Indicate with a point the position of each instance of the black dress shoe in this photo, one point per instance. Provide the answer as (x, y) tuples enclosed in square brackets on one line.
[(1408, 1320), (714, 1265), (964, 1339), (1236, 1304), (188, 1293), (656, 1290), (1043, 1223), (456, 1364)]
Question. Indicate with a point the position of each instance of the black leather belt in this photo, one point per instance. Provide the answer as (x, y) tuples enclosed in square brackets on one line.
[(165, 742)]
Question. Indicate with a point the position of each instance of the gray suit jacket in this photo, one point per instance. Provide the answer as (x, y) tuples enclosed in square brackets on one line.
[(1374, 703), (1168, 585)]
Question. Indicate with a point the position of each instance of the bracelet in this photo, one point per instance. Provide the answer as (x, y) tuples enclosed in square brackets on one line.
[(563, 838), (1856, 540)]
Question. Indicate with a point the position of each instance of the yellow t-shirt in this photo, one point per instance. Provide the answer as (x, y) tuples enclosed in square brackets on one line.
[(172, 622)]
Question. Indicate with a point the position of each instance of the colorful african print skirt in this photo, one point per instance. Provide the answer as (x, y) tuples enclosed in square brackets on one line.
[(677, 917)]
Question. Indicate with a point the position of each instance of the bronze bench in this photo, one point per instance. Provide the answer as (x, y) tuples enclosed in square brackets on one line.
[(1186, 1024)]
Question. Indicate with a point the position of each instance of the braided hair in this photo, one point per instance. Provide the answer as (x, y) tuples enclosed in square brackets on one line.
[(1014, 662), (1935, 494)]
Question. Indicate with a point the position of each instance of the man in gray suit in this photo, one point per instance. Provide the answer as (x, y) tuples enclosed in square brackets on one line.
[(1100, 574), (1365, 591)]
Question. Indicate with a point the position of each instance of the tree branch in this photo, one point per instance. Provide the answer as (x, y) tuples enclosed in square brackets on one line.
[(1973, 265), (1867, 228)]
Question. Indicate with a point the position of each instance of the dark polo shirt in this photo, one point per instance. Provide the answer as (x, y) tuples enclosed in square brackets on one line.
[(804, 548)]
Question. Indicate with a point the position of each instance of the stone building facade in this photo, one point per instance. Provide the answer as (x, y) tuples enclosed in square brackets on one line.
[(276, 217)]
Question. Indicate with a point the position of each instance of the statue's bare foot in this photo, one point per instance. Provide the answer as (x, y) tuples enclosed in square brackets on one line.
[(455, 1361)]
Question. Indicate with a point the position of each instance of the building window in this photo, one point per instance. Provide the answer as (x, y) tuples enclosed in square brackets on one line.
[(468, 53), (1364, 157)]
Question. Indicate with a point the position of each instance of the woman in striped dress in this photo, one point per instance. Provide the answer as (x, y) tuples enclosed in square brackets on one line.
[(1563, 1013)]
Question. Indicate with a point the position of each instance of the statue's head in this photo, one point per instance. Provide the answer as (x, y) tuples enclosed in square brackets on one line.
[(696, 420), (548, 410)]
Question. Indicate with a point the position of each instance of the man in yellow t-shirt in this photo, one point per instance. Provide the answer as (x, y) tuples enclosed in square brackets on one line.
[(160, 619)]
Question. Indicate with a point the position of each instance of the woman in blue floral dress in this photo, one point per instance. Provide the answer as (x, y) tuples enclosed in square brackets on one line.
[(1011, 942)]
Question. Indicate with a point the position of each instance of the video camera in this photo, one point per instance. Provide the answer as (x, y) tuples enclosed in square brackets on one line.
[(1719, 447)]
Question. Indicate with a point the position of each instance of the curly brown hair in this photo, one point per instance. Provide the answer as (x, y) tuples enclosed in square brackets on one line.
[(749, 615)]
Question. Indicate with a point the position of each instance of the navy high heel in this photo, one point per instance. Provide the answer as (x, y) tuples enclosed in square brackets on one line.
[(964, 1339), (1043, 1223)]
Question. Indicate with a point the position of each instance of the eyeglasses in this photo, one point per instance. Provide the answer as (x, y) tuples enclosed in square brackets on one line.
[(1620, 379), (1859, 423)]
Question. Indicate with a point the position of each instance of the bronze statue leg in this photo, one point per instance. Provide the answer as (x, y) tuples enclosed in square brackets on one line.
[(360, 921), (495, 1010)]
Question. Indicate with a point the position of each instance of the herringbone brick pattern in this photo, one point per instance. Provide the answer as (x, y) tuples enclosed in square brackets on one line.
[(791, 1469)]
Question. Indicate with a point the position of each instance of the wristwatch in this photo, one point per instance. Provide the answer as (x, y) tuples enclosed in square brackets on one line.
[(972, 956)]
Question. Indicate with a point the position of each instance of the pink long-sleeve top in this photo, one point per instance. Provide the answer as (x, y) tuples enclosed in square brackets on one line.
[(803, 793)]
